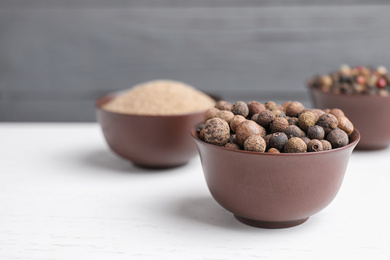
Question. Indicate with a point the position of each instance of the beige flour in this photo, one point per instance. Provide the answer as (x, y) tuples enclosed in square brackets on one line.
[(160, 97)]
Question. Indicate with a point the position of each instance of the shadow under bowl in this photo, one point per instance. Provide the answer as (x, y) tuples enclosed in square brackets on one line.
[(273, 190), (148, 141), (368, 113)]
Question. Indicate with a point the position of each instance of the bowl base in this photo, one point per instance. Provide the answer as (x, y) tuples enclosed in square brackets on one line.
[(270, 224), (370, 147), (157, 167)]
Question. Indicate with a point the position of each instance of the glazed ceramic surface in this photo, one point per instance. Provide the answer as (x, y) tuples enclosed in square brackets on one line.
[(273, 190), (149, 141), (369, 114)]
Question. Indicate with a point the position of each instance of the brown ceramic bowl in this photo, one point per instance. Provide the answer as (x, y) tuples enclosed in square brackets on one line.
[(273, 190), (149, 141), (369, 114)]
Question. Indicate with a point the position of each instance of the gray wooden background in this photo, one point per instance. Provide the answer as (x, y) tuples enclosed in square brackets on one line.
[(57, 57)]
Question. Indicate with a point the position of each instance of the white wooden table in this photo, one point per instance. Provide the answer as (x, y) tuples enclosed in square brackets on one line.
[(64, 195)]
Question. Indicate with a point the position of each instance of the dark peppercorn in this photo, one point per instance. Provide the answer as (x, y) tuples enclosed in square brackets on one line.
[(294, 131), (337, 138), (255, 143), (278, 140), (328, 122), (314, 145), (278, 125), (295, 145), (240, 108), (316, 132), (265, 118)]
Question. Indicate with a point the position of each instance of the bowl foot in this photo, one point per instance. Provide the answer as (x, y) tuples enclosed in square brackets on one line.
[(270, 224), (157, 167)]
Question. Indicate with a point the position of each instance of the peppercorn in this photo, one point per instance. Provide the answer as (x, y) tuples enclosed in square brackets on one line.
[(337, 112), (246, 129), (210, 113), (326, 146), (240, 108), (306, 139), (255, 143), (217, 131), (279, 125), (314, 145), (294, 131), (295, 145), (345, 125), (237, 119), (223, 105), (307, 120), (255, 107), (271, 105), (265, 118), (294, 109), (328, 122), (232, 146), (316, 132), (337, 138), (273, 150), (279, 113), (278, 140), (292, 120), (225, 115)]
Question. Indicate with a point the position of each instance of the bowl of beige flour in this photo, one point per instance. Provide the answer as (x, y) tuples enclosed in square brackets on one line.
[(149, 124)]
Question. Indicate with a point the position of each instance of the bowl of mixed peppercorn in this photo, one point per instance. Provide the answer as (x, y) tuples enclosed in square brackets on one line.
[(363, 94), (274, 166)]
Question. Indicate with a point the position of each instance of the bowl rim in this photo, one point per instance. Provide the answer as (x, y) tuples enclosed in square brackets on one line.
[(346, 95), (348, 146), (108, 97)]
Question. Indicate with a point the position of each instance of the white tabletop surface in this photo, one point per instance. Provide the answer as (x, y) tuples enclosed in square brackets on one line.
[(65, 195)]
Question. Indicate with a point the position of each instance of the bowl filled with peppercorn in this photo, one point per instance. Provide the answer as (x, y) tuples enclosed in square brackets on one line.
[(364, 96), (149, 124), (274, 166)]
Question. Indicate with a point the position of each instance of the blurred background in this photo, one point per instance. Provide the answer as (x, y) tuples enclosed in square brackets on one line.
[(57, 57)]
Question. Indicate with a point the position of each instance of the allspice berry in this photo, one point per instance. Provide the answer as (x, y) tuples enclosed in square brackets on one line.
[(273, 150), (295, 145), (285, 105), (254, 117), (201, 134), (292, 120), (223, 105), (337, 112), (255, 107), (225, 115), (307, 140), (337, 138), (294, 109), (345, 125), (246, 129), (279, 113), (217, 131), (271, 105), (266, 139), (294, 131), (210, 113), (316, 132), (240, 108), (314, 145), (255, 143), (307, 120), (265, 118), (328, 122), (278, 140), (326, 145), (317, 112), (232, 146), (279, 125), (236, 120), (233, 139)]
